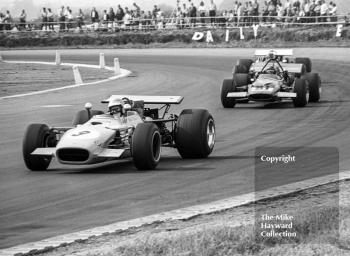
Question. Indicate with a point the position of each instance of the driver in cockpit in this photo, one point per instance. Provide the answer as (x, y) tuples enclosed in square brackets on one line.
[(273, 69), (118, 108)]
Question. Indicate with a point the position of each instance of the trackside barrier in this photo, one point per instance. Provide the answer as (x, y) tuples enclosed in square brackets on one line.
[(116, 66), (178, 23), (58, 58), (77, 76), (102, 60)]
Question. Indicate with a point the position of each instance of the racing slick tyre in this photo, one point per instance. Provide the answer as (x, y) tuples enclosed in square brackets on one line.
[(195, 133), (300, 88), (240, 80), (307, 63), (226, 88), (146, 146), (82, 116), (314, 86), (36, 136), (240, 69), (245, 62)]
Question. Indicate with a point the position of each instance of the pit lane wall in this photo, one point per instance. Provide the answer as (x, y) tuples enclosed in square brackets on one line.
[(325, 35)]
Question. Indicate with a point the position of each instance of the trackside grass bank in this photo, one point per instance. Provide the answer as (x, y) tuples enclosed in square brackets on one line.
[(292, 37), (317, 235), (321, 221)]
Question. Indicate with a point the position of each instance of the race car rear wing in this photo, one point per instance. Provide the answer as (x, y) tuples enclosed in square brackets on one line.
[(148, 99), (290, 67), (277, 52)]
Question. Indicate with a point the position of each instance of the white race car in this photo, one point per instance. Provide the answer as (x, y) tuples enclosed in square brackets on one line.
[(136, 132)]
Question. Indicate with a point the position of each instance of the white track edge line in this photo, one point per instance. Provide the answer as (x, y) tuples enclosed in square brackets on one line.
[(180, 214), (123, 73)]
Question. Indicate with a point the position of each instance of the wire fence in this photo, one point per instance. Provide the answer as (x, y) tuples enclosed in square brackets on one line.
[(175, 23)]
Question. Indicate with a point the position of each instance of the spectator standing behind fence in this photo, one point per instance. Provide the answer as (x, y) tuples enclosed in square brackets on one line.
[(105, 17), (193, 15), (111, 15), (43, 15), (94, 15), (2, 21), (265, 11), (312, 10), (49, 15), (202, 10), (80, 19), (240, 13), (61, 18), (119, 15), (212, 12), (324, 11), (256, 11), (307, 10), (7, 20), (127, 19), (317, 11), (70, 19), (22, 20), (333, 11)]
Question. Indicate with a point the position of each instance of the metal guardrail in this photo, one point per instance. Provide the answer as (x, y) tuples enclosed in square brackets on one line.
[(175, 23)]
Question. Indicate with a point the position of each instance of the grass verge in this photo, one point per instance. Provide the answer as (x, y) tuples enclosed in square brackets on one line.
[(317, 229), (271, 37)]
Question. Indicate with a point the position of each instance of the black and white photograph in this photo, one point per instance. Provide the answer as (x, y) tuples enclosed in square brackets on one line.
[(174, 127)]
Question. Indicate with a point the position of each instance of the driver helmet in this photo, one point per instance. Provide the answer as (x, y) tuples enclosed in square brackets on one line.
[(115, 107)]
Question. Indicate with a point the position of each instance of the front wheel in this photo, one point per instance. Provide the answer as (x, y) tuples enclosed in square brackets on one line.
[(227, 87), (300, 88), (314, 86), (195, 133), (146, 146), (36, 136)]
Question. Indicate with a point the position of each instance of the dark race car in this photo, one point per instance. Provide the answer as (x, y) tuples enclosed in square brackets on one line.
[(272, 78)]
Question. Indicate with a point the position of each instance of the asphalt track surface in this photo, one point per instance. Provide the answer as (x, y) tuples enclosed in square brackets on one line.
[(38, 205)]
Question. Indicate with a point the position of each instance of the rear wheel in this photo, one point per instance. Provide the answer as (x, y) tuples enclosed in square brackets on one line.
[(240, 79), (314, 86), (300, 88), (82, 116), (240, 69), (195, 133), (226, 88), (36, 136), (307, 63), (245, 62), (146, 146)]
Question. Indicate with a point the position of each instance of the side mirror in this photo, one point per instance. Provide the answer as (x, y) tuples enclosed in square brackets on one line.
[(88, 106)]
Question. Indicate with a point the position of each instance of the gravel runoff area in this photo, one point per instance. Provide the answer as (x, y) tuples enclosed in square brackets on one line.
[(230, 232), (25, 78)]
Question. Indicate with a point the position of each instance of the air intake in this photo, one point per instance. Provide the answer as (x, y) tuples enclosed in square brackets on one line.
[(73, 154)]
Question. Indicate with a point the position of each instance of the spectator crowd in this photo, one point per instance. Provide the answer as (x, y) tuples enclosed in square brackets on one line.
[(186, 14)]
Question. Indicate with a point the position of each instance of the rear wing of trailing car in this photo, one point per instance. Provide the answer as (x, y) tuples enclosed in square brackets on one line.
[(277, 52), (290, 67), (148, 99)]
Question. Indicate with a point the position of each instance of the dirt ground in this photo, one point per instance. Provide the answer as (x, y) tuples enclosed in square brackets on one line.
[(24, 78)]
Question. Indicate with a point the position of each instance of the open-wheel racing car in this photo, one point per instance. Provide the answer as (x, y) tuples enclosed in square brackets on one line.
[(273, 77), (127, 130)]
